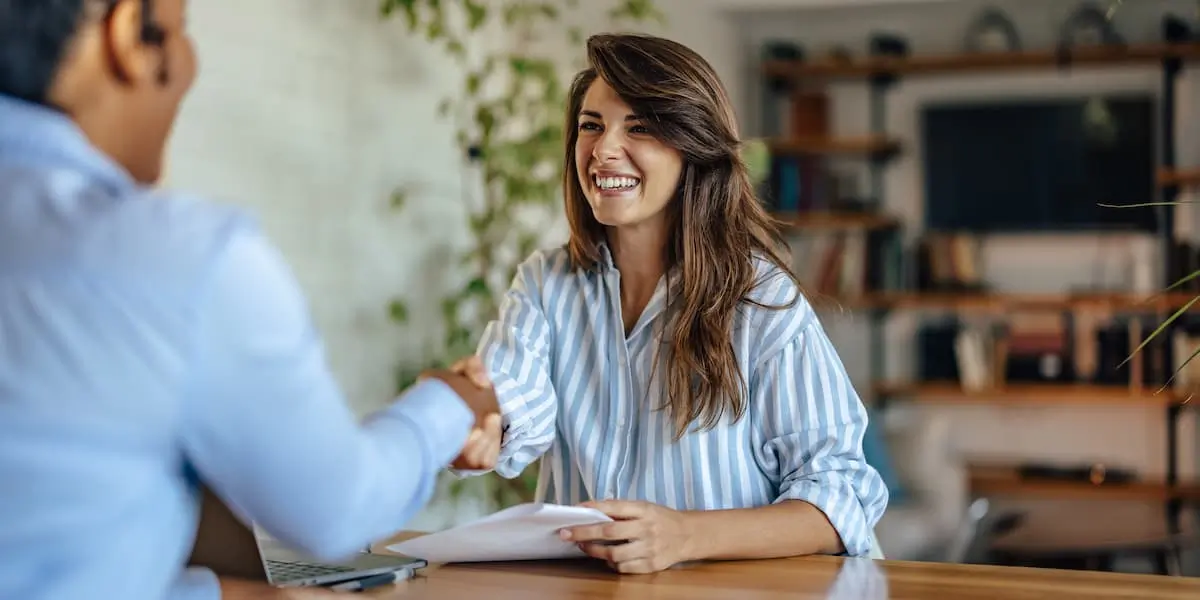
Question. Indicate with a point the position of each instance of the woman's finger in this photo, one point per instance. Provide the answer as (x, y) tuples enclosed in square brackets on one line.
[(612, 531), (617, 553)]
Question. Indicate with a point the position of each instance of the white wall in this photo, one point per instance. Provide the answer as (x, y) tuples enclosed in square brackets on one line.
[(309, 113), (1126, 436)]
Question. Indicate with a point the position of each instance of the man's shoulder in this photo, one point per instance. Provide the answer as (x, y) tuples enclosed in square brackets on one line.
[(166, 228), (58, 218), (182, 214)]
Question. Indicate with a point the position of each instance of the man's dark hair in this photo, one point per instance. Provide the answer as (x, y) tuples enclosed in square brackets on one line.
[(35, 36)]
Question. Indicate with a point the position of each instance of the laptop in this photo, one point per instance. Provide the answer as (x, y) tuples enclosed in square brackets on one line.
[(231, 549)]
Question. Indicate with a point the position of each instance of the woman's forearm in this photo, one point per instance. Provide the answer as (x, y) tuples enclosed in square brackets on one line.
[(792, 528)]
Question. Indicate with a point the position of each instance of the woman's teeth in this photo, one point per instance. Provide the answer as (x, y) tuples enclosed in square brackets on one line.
[(616, 183)]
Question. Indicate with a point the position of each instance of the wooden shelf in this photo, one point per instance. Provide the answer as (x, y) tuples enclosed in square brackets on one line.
[(869, 145), (1030, 394), (1089, 526), (832, 68), (1002, 302), (1179, 177), (998, 480), (820, 221)]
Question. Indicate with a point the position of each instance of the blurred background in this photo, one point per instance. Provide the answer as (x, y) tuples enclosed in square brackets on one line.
[(955, 175)]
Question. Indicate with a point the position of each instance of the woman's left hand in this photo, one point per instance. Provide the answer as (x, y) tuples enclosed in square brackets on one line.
[(642, 538)]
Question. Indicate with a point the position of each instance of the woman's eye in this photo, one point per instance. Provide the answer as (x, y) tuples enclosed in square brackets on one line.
[(589, 126), (639, 129)]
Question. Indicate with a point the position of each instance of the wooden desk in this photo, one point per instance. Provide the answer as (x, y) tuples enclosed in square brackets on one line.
[(792, 578)]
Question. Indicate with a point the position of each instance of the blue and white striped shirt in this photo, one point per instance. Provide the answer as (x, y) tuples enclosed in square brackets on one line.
[(573, 387)]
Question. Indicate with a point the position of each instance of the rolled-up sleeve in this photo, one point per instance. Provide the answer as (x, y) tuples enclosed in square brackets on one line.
[(515, 350), (813, 422)]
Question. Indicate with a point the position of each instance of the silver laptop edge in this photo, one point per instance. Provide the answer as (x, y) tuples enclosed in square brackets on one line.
[(229, 548)]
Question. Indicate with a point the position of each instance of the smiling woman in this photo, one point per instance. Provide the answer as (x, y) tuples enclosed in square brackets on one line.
[(626, 173), (665, 360)]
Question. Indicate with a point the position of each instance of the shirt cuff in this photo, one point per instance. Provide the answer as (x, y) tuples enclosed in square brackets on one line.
[(468, 473), (841, 507), (437, 413), (196, 583)]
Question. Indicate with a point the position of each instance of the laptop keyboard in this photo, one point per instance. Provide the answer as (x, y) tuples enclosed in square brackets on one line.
[(283, 570)]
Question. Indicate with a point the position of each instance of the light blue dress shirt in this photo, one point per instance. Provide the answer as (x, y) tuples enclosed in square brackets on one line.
[(573, 387), (148, 339)]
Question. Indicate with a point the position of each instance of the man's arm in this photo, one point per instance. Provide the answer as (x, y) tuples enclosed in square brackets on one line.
[(267, 429), (202, 584)]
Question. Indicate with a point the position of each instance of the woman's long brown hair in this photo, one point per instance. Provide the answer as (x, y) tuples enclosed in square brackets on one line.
[(718, 228)]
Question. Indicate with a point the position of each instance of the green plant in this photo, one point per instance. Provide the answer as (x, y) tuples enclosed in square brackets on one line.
[(509, 125), (1180, 311)]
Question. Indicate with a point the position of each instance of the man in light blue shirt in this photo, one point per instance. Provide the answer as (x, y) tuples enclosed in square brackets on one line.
[(150, 341)]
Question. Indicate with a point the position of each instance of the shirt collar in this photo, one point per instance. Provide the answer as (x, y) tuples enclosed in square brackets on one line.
[(605, 261), (39, 135)]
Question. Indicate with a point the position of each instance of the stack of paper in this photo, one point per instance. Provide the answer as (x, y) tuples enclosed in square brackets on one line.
[(524, 532)]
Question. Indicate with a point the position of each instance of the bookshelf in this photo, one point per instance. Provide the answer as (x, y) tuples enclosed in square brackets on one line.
[(825, 221), (1004, 303), (1183, 178), (886, 296), (1003, 480), (952, 392), (875, 146), (980, 62)]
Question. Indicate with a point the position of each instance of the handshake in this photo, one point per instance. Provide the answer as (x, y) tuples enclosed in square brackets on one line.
[(469, 380)]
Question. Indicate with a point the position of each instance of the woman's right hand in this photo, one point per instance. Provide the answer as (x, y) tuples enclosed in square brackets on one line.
[(483, 447)]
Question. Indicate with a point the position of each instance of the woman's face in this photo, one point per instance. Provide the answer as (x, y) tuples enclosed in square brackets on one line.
[(627, 175)]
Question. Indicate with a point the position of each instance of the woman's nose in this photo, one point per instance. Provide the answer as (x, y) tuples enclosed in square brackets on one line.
[(610, 146)]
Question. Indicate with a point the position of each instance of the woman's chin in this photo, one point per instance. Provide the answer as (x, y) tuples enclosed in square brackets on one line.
[(612, 212)]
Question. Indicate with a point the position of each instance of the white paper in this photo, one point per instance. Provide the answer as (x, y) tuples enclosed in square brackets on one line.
[(523, 532)]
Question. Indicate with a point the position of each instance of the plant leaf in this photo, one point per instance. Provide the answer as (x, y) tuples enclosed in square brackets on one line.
[(478, 287), (476, 15), (1144, 204), (1182, 280), (398, 311), (399, 199), (1180, 368), (1160, 329), (450, 309)]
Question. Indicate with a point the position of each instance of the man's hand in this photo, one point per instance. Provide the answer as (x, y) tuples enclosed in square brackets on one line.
[(469, 380), (481, 400), (483, 449), (472, 368)]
